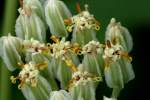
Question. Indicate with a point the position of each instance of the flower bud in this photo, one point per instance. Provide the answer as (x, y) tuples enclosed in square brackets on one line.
[(11, 49), (60, 95), (40, 92), (93, 61), (35, 6), (83, 92), (118, 34), (118, 68), (83, 26), (56, 11), (30, 23)]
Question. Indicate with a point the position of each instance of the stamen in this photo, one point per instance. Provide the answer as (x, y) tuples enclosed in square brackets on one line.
[(67, 21), (54, 38), (126, 55), (21, 85), (78, 7), (21, 3), (97, 27), (42, 65), (108, 44), (71, 65)]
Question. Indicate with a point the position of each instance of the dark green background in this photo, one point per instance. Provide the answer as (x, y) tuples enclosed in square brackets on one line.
[(135, 15)]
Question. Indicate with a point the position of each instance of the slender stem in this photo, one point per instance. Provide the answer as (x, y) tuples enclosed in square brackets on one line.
[(8, 26)]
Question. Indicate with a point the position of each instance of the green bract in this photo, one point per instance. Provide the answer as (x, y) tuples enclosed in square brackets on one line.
[(11, 50), (118, 34), (55, 12)]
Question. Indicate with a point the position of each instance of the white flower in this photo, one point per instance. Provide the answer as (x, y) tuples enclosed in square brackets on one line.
[(112, 52), (81, 77), (60, 48), (28, 75), (82, 21), (92, 47), (33, 46)]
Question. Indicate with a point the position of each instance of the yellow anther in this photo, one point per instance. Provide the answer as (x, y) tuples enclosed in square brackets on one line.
[(97, 27), (42, 65), (69, 62), (97, 79), (68, 21), (13, 79), (20, 64), (21, 85), (69, 29), (48, 45), (130, 59), (71, 65), (54, 38)]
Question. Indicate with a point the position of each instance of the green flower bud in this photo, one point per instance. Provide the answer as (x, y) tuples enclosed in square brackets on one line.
[(60, 95), (83, 92), (60, 71), (56, 11), (118, 68), (40, 92), (118, 34), (11, 50), (93, 61), (31, 26), (30, 23), (83, 26), (35, 6)]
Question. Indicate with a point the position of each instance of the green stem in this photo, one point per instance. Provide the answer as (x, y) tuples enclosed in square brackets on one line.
[(8, 26)]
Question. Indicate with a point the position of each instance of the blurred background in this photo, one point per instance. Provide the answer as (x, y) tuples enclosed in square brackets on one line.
[(134, 14)]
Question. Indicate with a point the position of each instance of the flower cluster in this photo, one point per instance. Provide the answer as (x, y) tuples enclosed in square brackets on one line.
[(72, 60)]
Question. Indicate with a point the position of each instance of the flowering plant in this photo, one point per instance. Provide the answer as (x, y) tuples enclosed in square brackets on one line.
[(72, 62)]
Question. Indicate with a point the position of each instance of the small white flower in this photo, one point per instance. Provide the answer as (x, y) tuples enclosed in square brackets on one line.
[(60, 48), (82, 78), (84, 20), (92, 47), (29, 74), (112, 52), (33, 46)]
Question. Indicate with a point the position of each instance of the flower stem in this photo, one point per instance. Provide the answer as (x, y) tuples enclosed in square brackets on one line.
[(8, 26)]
